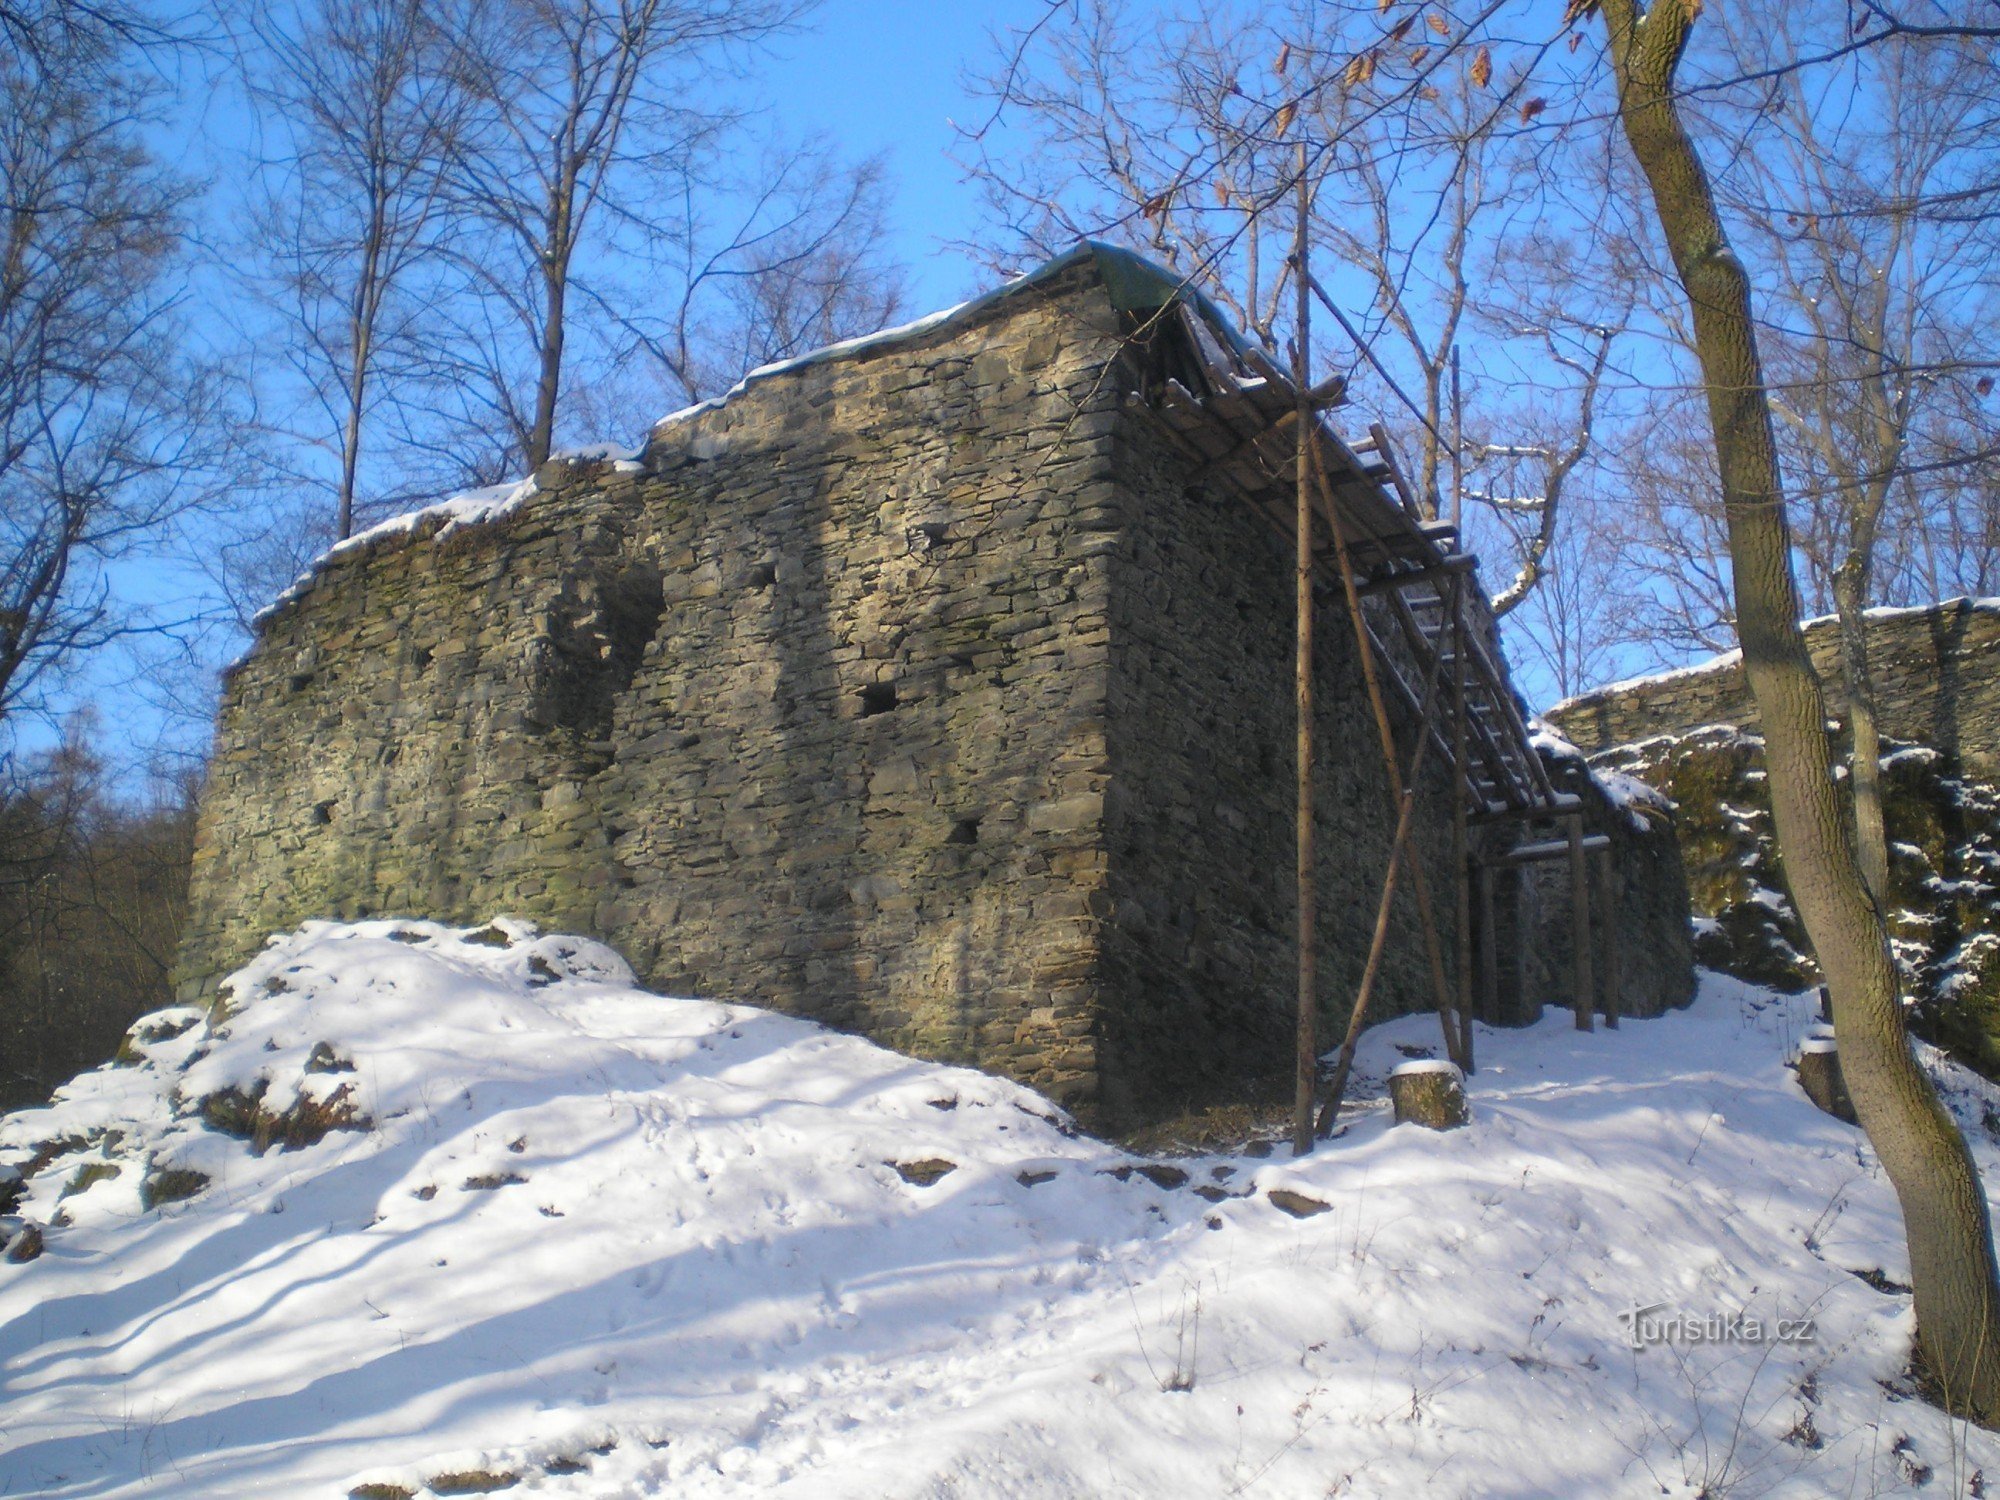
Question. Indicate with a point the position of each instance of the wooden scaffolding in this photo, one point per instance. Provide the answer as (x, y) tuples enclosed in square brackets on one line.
[(1427, 641)]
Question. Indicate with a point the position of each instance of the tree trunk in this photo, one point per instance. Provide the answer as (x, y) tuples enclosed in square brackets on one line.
[(1871, 840), (1944, 1209), (548, 381)]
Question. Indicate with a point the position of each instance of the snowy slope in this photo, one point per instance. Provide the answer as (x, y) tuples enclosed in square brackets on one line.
[(602, 1243)]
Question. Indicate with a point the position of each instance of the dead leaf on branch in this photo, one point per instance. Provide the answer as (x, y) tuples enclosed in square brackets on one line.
[(1282, 120), (1438, 24), (1482, 67), (1532, 108), (1360, 68), (1284, 59)]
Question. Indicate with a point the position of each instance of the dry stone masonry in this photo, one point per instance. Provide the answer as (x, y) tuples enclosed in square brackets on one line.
[(1692, 735), (1937, 683), (921, 688)]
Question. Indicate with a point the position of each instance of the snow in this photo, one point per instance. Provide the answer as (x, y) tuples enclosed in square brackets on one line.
[(471, 508), (1910, 611), (624, 1245), (1213, 325), (468, 508), (1628, 794), (1727, 659), (1702, 668), (1422, 1066), (883, 337)]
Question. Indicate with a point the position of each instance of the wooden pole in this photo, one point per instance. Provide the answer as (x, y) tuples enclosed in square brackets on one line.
[(1307, 1065), (1370, 675), (1607, 919), (1489, 949), (1457, 446), (1460, 864), (1378, 941), (1579, 913)]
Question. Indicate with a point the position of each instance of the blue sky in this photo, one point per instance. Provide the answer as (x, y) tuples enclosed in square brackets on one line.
[(871, 76), (886, 77)]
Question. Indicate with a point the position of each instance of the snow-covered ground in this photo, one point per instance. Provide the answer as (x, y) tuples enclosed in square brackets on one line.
[(605, 1244)]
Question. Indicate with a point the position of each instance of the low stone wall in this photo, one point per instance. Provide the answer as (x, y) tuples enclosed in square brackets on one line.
[(1936, 673)]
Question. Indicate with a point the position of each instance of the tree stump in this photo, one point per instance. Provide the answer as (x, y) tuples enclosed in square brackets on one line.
[(1819, 1076), (1429, 1093)]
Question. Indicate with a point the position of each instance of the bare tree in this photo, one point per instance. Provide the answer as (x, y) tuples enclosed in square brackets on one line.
[(368, 111), (795, 263), (92, 897), (101, 416), (1550, 466), (592, 112), (1957, 1287), (1573, 624), (1878, 306), (1178, 137)]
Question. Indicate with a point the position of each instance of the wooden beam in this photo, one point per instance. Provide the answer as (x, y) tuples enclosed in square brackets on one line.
[(1460, 851), (1364, 641), (1531, 854), (1440, 572), (1579, 905), (1307, 1060), (1607, 906)]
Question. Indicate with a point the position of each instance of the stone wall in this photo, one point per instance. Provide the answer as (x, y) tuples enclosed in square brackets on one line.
[(1647, 943), (1200, 950), (924, 689), (1935, 673), (808, 713)]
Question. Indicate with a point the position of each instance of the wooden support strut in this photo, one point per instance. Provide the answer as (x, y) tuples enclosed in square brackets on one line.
[(1607, 921), (1579, 903), (1461, 864), (1365, 646), (1450, 567), (1307, 1060), (1379, 938)]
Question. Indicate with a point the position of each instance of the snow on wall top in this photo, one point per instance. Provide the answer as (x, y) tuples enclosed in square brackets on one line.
[(467, 508), (1132, 281), (1725, 660)]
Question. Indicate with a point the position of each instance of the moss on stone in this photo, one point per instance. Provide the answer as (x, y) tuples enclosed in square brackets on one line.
[(170, 1185), (474, 1482), (89, 1175)]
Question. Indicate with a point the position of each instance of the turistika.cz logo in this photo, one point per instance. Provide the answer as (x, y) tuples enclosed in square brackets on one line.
[(1655, 1323)]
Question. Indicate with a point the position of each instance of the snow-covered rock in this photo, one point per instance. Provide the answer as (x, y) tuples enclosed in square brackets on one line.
[(600, 1243)]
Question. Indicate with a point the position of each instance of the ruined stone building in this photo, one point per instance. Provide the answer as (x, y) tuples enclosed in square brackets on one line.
[(936, 686)]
